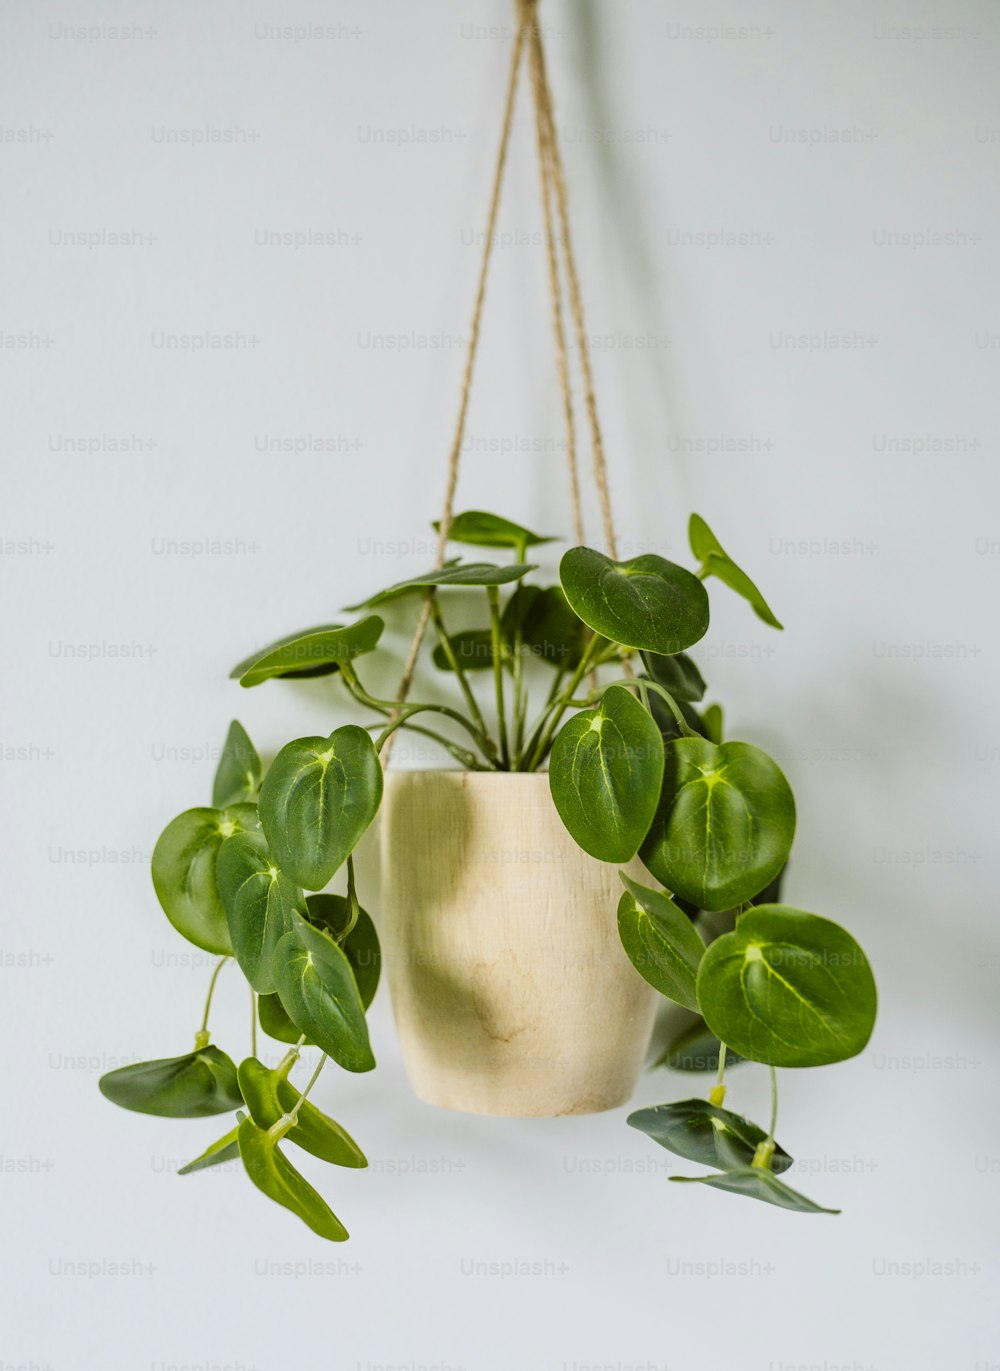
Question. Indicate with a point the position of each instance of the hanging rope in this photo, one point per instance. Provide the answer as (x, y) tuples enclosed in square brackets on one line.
[(553, 192)]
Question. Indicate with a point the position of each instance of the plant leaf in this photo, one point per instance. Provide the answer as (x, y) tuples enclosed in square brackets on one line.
[(462, 574), (661, 941), (319, 993), (259, 901), (695, 1049), (704, 1133), (605, 773), (788, 988), (190, 1087), (269, 1096), (275, 1022), (226, 1149), (479, 529), (473, 651), (184, 872), (237, 777), (317, 800), (678, 674), (274, 1174), (310, 651), (550, 630), (332, 913), (712, 722), (715, 561), (758, 1184), (646, 602), (724, 825)]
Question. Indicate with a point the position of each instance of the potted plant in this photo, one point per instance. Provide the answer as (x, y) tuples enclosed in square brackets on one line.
[(597, 727)]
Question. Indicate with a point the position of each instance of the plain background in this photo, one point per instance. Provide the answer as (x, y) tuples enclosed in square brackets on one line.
[(786, 221)]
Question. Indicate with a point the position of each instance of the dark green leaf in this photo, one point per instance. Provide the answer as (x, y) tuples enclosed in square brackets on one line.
[(678, 674), (332, 913), (661, 942), (712, 722), (269, 1096), (275, 1022), (788, 988), (226, 1149), (190, 1087), (696, 1049), (715, 561), (725, 823), (646, 603), (473, 651), (758, 1184), (490, 530), (310, 652), (463, 574), (550, 631), (272, 1173), (184, 871), (319, 993), (704, 1133), (605, 774), (317, 800), (237, 777), (259, 901)]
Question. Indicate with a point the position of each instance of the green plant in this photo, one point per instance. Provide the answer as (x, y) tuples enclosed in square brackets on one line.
[(638, 767)]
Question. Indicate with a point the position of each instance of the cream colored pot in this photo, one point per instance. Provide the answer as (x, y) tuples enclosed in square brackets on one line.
[(511, 991)]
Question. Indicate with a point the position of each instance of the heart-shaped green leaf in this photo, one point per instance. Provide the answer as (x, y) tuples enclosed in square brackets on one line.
[(259, 901), (332, 913), (460, 574), (695, 1049), (317, 799), (184, 871), (473, 651), (274, 1174), (310, 652), (605, 773), (319, 993), (724, 825), (646, 602), (704, 1133), (275, 1022), (237, 777), (788, 988), (190, 1087), (479, 529), (758, 1184), (226, 1149), (661, 941), (678, 674), (715, 561), (269, 1096)]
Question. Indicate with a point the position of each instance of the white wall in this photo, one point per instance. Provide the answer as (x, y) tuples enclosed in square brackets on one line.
[(858, 483)]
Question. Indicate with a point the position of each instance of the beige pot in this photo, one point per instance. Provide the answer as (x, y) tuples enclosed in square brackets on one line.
[(511, 991)]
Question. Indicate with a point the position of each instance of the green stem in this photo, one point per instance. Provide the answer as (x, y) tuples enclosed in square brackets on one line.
[(288, 1121), (561, 703), (390, 707), (643, 686), (534, 733), (253, 1023), (201, 1038), (352, 902), (290, 1058), (765, 1150), (493, 595), (446, 644), (717, 1095)]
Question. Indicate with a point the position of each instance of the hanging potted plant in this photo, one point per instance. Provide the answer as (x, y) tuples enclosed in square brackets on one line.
[(599, 843)]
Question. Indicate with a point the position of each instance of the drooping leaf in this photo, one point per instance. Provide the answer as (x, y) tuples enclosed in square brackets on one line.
[(715, 561), (190, 1087), (605, 774), (184, 871), (317, 800), (758, 1184), (705, 1133), (696, 1049), (269, 1096), (310, 651), (661, 941), (237, 777), (473, 650), (646, 603), (462, 574), (332, 913), (318, 992), (226, 1149), (274, 1174), (678, 674), (724, 825), (259, 901), (275, 1022), (479, 529), (788, 988)]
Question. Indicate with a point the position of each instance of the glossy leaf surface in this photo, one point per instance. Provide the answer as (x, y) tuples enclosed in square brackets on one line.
[(184, 872), (190, 1087), (661, 941), (705, 1133), (272, 1173), (715, 561), (259, 901), (310, 652), (237, 777), (646, 602), (318, 991), (757, 1184)]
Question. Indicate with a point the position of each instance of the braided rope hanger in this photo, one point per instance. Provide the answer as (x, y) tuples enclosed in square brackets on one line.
[(554, 196)]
